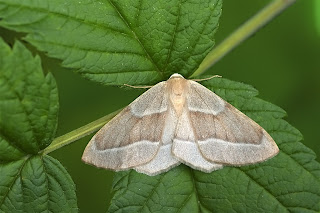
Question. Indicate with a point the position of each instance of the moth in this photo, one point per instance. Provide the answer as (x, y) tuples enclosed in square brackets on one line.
[(178, 121)]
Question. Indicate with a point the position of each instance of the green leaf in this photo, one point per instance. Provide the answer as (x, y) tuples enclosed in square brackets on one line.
[(28, 102), (289, 182), (28, 117), (117, 42), (36, 184)]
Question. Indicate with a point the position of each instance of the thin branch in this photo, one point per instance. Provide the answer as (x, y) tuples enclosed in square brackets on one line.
[(78, 133), (242, 33)]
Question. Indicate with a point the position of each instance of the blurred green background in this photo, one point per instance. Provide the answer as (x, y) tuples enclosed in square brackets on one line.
[(282, 61)]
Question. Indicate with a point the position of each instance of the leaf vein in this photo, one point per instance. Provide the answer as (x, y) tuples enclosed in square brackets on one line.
[(80, 20), (173, 37), (264, 188), (13, 182), (144, 204), (313, 175), (47, 181), (12, 143), (10, 86), (86, 50), (135, 35)]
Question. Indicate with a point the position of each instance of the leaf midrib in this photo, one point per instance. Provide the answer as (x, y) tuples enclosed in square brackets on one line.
[(15, 179), (151, 194), (47, 182), (195, 189), (136, 37), (173, 37), (204, 27), (20, 99), (86, 49)]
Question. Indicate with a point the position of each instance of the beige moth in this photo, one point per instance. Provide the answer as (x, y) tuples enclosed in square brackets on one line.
[(178, 121)]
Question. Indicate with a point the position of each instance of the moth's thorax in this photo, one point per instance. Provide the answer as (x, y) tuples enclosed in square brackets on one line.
[(177, 89)]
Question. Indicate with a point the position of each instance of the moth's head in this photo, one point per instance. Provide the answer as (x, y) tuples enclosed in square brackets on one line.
[(177, 85), (176, 75)]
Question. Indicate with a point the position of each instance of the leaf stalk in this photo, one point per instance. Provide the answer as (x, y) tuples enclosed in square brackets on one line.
[(242, 33), (78, 133)]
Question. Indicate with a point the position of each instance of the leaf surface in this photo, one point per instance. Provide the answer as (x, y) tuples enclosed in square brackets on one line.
[(28, 102), (29, 182), (289, 182), (118, 42), (36, 184)]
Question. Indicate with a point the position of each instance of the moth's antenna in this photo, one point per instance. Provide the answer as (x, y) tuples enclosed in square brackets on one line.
[(137, 87), (205, 79)]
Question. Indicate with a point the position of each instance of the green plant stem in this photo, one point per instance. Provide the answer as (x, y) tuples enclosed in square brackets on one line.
[(242, 33), (78, 133)]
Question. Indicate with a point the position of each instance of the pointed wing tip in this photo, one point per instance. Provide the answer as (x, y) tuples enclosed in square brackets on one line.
[(86, 159), (270, 144), (275, 151), (240, 154), (90, 160)]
